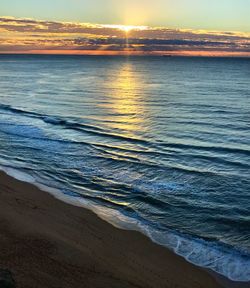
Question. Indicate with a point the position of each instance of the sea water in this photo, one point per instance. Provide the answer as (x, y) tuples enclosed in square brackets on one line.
[(155, 144)]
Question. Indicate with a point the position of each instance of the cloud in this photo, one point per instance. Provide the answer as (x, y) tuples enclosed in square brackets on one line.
[(19, 35)]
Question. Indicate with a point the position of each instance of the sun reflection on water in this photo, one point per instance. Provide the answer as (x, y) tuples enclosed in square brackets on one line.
[(125, 101)]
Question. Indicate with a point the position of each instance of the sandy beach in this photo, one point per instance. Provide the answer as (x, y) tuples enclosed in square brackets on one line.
[(47, 243)]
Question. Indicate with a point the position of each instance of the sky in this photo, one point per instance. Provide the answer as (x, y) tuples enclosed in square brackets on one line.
[(185, 27)]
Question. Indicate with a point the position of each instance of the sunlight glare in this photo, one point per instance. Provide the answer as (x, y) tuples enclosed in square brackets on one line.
[(126, 28)]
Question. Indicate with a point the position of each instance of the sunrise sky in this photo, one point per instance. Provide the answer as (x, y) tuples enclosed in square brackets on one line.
[(182, 27)]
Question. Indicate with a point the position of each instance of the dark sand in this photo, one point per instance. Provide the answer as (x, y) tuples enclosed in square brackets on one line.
[(47, 243)]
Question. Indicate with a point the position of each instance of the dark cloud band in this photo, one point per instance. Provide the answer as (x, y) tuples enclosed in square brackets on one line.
[(30, 34)]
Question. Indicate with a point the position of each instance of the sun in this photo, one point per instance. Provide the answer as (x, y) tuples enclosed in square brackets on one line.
[(126, 28)]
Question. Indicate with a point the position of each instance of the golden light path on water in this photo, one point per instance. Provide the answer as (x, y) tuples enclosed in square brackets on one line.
[(125, 101)]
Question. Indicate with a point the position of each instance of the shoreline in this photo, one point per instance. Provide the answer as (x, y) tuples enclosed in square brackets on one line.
[(48, 243)]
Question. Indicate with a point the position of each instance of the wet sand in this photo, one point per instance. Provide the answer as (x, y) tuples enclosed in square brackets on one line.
[(45, 242)]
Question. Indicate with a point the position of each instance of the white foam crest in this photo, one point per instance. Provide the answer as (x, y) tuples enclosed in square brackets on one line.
[(17, 174), (199, 252), (110, 215), (207, 255)]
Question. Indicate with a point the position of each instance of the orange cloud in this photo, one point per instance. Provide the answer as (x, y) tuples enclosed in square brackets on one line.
[(37, 36)]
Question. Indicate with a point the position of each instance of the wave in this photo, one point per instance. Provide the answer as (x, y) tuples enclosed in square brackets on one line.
[(212, 255), (98, 131), (35, 133), (10, 108), (224, 149), (90, 129)]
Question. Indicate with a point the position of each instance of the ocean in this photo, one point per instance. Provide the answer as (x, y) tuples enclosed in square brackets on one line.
[(155, 144)]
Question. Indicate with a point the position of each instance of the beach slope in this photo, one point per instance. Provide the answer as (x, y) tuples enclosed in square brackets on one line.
[(47, 243)]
